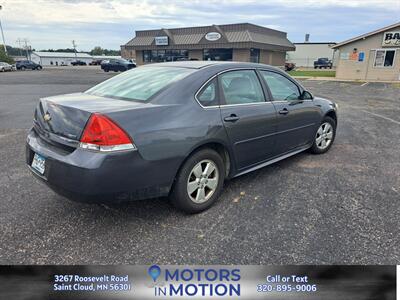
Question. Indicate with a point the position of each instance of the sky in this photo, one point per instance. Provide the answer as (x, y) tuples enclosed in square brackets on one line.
[(111, 23)]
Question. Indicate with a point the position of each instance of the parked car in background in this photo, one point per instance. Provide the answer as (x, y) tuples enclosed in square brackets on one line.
[(6, 67), (323, 62), (27, 64), (290, 66), (95, 62), (117, 65), (78, 63), (176, 129)]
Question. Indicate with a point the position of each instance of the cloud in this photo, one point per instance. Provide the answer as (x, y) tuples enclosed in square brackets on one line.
[(110, 23)]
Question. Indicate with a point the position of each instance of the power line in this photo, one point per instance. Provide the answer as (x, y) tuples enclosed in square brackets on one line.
[(19, 42)]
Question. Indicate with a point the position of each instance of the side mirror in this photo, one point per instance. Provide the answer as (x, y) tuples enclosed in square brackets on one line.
[(306, 95)]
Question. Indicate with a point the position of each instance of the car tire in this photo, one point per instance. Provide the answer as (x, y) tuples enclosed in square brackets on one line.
[(106, 70), (23, 68), (324, 136), (39, 68), (205, 188)]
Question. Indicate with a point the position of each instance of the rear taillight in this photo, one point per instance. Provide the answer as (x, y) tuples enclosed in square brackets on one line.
[(102, 134)]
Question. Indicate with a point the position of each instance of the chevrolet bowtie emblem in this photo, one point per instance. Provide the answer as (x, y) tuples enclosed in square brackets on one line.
[(47, 117)]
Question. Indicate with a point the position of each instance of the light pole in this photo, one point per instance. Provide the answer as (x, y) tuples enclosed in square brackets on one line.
[(2, 35), (74, 46)]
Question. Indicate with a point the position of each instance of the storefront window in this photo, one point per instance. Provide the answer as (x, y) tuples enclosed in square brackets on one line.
[(384, 58), (164, 55), (254, 55), (217, 54), (147, 56)]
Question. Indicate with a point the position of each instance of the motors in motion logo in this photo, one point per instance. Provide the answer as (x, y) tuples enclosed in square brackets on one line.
[(190, 282)]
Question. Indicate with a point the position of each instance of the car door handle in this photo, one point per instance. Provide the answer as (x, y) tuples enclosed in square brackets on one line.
[(231, 118), (284, 111)]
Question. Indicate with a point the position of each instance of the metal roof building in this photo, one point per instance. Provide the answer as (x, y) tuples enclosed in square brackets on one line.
[(371, 56), (236, 42), (308, 52), (59, 58)]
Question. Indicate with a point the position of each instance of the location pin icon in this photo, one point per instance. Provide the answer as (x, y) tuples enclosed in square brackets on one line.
[(154, 272)]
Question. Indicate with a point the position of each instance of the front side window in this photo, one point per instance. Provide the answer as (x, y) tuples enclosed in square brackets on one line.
[(241, 87), (139, 84), (208, 94), (281, 87), (384, 58)]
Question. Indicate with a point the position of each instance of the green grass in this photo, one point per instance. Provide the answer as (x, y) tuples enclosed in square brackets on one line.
[(396, 85), (312, 73)]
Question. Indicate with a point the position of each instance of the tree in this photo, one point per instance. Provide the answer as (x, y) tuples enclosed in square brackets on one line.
[(100, 51), (70, 50), (97, 51), (4, 57), (12, 51), (112, 52)]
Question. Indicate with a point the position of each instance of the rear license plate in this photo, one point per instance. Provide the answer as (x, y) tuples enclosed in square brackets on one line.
[(38, 163)]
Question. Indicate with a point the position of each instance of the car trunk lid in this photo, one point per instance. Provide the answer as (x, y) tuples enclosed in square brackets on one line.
[(63, 118)]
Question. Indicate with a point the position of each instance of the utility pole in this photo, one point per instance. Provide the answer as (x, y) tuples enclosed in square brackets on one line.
[(25, 41), (74, 46), (2, 35)]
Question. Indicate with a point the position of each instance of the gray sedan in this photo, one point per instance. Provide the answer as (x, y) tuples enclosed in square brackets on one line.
[(5, 67), (174, 129)]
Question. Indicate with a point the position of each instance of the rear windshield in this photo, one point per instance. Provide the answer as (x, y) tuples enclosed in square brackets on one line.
[(139, 84)]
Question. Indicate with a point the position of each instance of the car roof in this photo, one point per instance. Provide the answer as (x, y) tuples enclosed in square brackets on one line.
[(200, 64)]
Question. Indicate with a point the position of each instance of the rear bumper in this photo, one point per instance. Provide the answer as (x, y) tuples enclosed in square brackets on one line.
[(87, 176)]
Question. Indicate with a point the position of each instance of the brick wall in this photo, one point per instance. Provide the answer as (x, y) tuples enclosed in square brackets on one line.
[(265, 57), (139, 57), (241, 55)]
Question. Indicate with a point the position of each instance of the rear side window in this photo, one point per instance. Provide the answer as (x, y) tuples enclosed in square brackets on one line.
[(241, 87), (139, 84), (208, 94), (281, 87)]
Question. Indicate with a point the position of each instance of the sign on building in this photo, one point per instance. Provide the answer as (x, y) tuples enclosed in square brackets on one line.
[(391, 38), (213, 36), (161, 40)]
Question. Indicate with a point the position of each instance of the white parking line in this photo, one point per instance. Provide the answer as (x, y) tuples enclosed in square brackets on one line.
[(380, 116), (365, 83), (321, 82)]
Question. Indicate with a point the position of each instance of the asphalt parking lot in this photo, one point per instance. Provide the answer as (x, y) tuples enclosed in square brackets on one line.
[(339, 208)]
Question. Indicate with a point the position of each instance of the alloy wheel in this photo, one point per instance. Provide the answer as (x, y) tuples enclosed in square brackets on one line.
[(324, 136), (202, 181)]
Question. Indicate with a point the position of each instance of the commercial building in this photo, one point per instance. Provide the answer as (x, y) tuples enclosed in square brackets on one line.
[(232, 42), (371, 56), (306, 53), (59, 58)]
